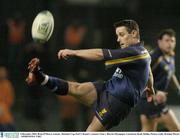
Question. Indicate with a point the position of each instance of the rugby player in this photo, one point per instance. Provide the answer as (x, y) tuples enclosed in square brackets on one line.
[(114, 98), (163, 69)]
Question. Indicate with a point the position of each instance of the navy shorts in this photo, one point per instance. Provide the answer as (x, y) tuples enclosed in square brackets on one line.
[(108, 109), (151, 109)]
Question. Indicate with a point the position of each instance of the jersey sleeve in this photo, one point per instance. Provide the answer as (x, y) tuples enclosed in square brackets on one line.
[(124, 56), (118, 53)]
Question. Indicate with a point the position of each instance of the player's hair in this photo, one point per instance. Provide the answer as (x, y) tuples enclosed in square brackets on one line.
[(169, 32), (129, 24)]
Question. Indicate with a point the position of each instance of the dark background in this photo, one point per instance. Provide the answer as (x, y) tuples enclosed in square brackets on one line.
[(97, 17)]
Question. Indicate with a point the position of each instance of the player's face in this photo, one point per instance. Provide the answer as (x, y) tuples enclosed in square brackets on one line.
[(124, 38), (167, 43)]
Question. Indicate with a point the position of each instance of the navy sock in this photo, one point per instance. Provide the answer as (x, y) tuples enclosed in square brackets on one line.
[(56, 85)]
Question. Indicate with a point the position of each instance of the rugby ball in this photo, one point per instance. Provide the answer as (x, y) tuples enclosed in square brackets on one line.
[(42, 27)]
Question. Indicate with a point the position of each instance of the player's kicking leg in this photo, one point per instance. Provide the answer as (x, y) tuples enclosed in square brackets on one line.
[(84, 92)]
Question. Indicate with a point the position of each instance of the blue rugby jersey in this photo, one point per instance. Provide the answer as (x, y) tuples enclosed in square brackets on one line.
[(162, 69), (132, 72)]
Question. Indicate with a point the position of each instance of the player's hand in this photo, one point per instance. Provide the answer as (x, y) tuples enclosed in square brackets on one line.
[(149, 93), (65, 53)]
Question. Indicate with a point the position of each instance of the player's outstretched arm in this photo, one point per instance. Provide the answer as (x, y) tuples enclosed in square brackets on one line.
[(88, 54)]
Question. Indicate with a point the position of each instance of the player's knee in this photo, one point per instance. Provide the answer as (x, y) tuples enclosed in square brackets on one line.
[(78, 88), (84, 92), (75, 88)]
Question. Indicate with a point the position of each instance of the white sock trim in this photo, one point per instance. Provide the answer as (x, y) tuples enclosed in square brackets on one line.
[(45, 80)]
